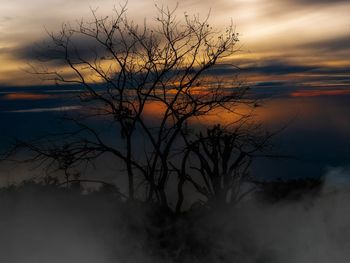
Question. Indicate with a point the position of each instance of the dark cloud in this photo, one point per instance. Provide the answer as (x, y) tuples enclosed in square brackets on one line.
[(278, 67), (282, 67), (88, 49), (318, 2), (270, 67), (4, 50), (331, 72), (336, 44), (47, 50)]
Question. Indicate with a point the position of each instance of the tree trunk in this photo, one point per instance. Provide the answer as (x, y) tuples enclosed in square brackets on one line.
[(180, 194), (129, 168)]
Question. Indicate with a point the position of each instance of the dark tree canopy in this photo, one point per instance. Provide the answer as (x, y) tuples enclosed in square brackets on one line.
[(128, 71)]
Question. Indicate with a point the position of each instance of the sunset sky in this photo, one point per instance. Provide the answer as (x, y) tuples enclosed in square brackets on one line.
[(219, 140), (276, 37), (295, 51)]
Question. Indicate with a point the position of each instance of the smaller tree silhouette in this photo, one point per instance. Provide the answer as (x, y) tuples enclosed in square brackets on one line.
[(222, 160)]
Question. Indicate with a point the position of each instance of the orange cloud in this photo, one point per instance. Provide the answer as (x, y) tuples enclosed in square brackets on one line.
[(26, 96), (316, 93)]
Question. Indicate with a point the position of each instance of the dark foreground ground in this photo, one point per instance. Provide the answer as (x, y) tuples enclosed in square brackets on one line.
[(298, 221)]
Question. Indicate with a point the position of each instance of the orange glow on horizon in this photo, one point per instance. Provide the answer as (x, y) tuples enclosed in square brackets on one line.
[(27, 96), (317, 93), (155, 110)]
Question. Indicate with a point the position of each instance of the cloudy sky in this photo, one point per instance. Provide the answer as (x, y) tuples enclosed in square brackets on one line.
[(296, 50), (292, 36)]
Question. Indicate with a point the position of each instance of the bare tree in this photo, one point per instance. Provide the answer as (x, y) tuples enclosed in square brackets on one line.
[(217, 163), (128, 70)]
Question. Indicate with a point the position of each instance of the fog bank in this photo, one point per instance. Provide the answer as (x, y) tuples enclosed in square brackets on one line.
[(45, 224)]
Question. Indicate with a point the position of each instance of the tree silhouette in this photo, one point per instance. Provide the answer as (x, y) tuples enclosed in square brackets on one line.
[(129, 71), (223, 161)]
